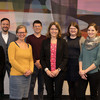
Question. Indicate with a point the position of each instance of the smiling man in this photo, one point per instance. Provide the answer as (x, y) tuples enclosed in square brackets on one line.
[(36, 41), (6, 38)]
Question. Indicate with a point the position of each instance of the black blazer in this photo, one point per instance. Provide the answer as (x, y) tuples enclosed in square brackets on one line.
[(61, 54), (2, 60)]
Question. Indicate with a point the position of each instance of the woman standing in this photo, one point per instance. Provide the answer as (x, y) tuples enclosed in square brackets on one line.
[(2, 63), (53, 60), (89, 62), (20, 57), (74, 41)]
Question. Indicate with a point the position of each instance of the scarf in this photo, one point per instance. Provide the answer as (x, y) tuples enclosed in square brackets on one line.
[(92, 43)]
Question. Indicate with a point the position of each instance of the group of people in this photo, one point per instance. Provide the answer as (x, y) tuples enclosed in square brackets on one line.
[(51, 59)]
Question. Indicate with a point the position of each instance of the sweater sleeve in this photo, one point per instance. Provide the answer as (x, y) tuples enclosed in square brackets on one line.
[(81, 54), (31, 60), (97, 61), (42, 56), (81, 42), (13, 62)]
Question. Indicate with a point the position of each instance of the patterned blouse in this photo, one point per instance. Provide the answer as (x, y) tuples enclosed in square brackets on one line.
[(53, 56)]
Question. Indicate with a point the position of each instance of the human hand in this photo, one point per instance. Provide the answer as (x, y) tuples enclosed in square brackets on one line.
[(49, 73), (83, 75), (27, 73), (55, 72), (37, 64), (81, 72)]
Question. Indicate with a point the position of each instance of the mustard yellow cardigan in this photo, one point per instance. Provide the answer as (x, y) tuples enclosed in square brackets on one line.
[(20, 59)]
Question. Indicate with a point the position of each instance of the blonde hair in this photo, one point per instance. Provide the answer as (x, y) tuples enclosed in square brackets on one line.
[(19, 27)]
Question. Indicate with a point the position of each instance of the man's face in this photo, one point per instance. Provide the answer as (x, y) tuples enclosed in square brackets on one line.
[(37, 28), (5, 25)]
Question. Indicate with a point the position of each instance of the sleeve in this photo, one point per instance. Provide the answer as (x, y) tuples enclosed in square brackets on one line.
[(81, 54), (42, 56), (97, 61), (12, 60), (81, 42), (31, 60), (63, 66), (2, 58)]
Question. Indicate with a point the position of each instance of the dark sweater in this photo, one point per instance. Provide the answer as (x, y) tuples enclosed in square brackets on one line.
[(36, 45), (72, 73), (73, 47)]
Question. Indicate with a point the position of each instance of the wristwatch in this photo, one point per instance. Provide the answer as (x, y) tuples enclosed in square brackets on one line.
[(46, 69), (59, 69)]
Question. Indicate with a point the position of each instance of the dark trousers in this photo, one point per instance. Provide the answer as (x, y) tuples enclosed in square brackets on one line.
[(1, 84), (6, 68), (99, 92), (94, 81), (74, 89), (36, 74), (54, 86)]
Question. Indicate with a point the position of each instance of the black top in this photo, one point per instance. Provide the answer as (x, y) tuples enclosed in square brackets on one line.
[(73, 56), (73, 47)]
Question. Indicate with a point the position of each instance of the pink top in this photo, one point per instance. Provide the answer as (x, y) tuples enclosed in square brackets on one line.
[(53, 56)]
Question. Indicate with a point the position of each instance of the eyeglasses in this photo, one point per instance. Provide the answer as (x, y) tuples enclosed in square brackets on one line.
[(21, 32), (72, 28), (53, 29)]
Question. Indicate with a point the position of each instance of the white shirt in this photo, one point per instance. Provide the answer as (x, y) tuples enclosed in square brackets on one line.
[(5, 37)]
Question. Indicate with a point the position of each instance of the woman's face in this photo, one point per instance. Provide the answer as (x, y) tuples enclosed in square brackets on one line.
[(73, 31), (92, 32), (21, 34), (53, 31)]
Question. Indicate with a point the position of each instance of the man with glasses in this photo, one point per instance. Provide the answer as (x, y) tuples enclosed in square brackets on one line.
[(36, 41)]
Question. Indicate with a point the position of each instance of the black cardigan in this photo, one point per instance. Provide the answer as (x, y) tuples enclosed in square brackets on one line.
[(61, 54)]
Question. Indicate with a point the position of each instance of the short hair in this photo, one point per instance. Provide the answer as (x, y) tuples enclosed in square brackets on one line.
[(75, 25), (57, 26), (5, 19), (38, 22), (94, 25), (19, 27)]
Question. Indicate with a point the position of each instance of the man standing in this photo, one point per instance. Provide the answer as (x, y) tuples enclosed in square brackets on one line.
[(36, 41), (5, 39)]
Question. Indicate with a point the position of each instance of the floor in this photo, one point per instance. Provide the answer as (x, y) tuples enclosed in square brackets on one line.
[(63, 98)]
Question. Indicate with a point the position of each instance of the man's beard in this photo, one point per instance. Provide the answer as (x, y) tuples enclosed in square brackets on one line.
[(5, 30)]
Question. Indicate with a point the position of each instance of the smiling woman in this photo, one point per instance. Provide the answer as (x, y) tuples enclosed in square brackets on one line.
[(20, 57), (92, 31), (53, 60), (21, 33), (89, 62)]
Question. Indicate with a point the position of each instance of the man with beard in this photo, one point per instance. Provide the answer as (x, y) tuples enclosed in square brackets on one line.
[(6, 38)]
